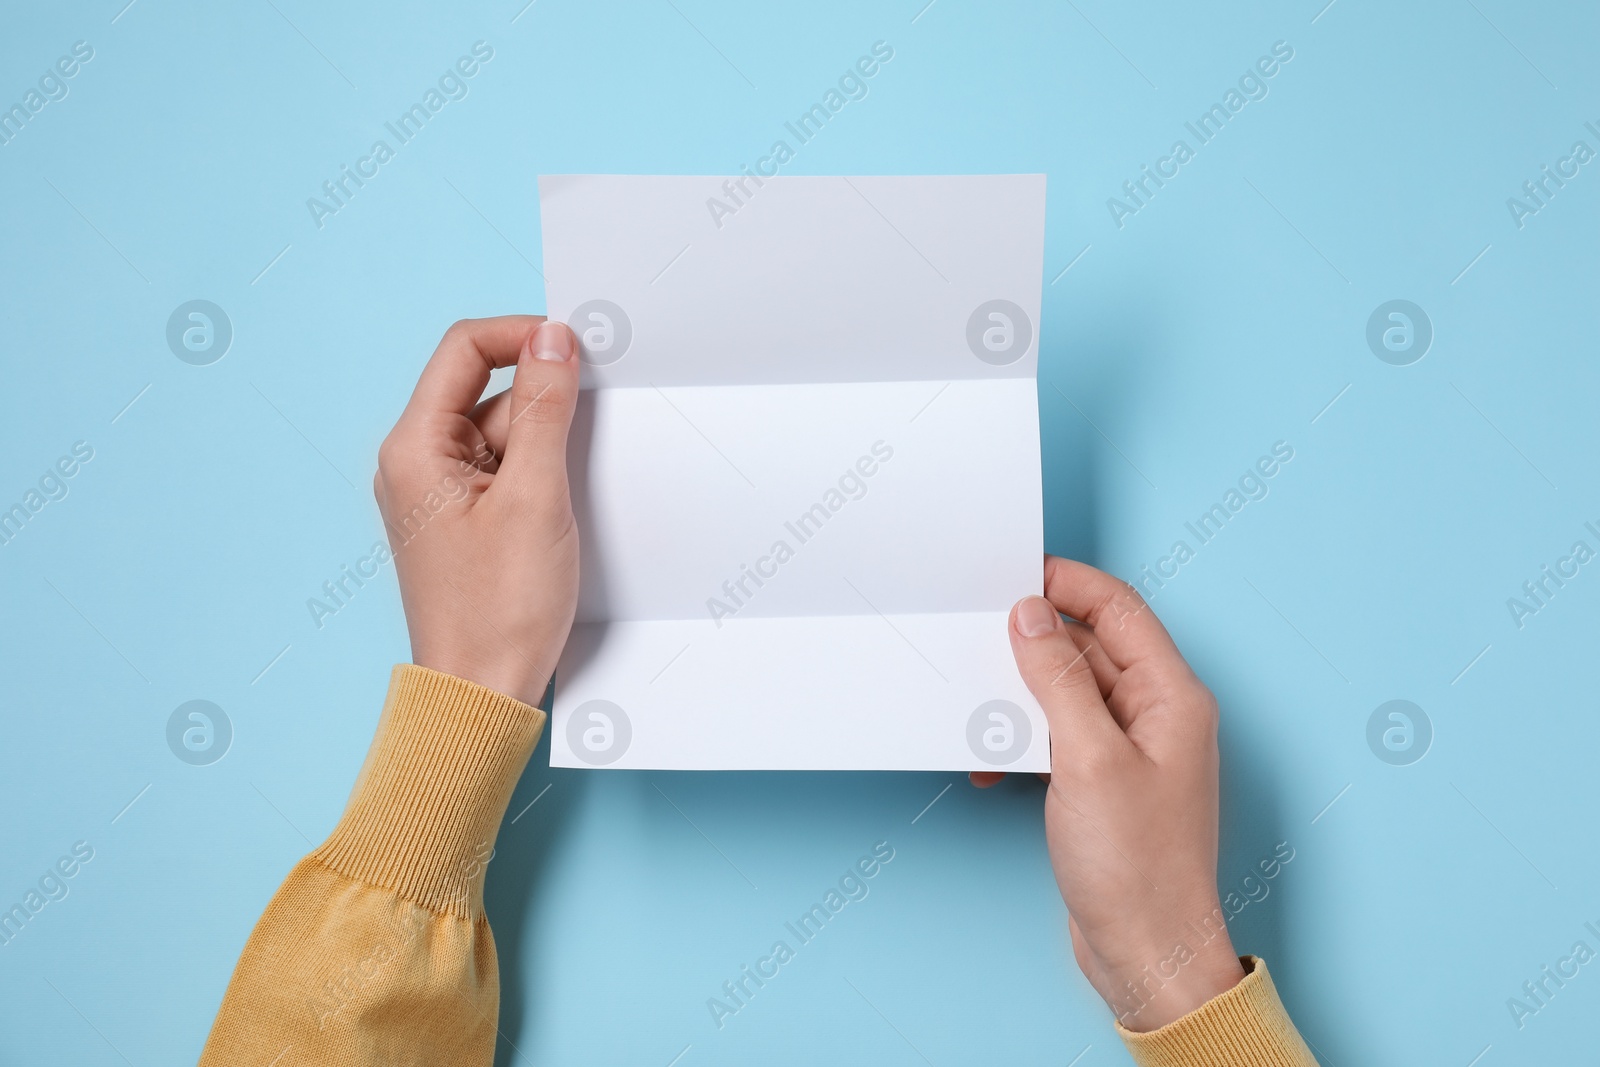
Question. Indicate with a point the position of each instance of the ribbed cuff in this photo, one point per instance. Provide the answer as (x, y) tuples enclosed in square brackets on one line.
[(1245, 1027), (424, 814)]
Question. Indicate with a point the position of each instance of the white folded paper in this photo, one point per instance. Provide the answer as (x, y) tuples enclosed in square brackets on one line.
[(805, 467)]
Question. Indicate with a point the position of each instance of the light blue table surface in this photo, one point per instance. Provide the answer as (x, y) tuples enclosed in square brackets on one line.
[(1226, 314)]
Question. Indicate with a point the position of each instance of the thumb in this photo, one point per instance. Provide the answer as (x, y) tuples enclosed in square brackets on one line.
[(544, 395), (1058, 674)]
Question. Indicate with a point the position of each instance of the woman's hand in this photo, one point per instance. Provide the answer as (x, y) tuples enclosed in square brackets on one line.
[(474, 497), (1131, 809)]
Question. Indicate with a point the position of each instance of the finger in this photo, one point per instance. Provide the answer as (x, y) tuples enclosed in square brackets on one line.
[(1123, 623), (457, 374), (1058, 674), (1106, 673), (493, 419), (985, 779), (544, 395)]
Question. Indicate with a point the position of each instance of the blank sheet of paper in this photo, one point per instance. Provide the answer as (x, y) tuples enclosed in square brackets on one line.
[(805, 467)]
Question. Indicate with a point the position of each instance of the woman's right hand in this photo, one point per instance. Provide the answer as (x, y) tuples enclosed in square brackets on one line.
[(1131, 808)]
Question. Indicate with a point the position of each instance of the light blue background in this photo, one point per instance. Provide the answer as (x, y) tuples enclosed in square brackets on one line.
[(1223, 317)]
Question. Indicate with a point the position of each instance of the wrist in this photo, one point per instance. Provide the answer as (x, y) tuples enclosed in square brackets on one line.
[(512, 676), (1173, 978)]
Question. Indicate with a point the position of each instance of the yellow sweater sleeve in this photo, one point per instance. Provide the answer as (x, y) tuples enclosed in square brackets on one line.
[(375, 949), (1245, 1027)]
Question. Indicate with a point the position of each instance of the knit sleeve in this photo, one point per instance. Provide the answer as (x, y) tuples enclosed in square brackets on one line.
[(1245, 1027), (375, 950)]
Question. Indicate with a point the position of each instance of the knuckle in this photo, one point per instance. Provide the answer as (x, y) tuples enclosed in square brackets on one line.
[(1068, 670), (400, 463), (395, 449), (1132, 597), (1194, 708), (1126, 603), (390, 453), (542, 405)]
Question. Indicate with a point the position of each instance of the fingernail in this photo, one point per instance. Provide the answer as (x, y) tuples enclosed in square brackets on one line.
[(552, 341), (1036, 617)]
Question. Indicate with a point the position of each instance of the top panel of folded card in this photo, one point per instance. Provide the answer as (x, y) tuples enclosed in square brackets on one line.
[(752, 280)]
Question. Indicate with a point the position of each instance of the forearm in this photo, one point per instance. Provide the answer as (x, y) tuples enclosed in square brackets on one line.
[(375, 949)]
